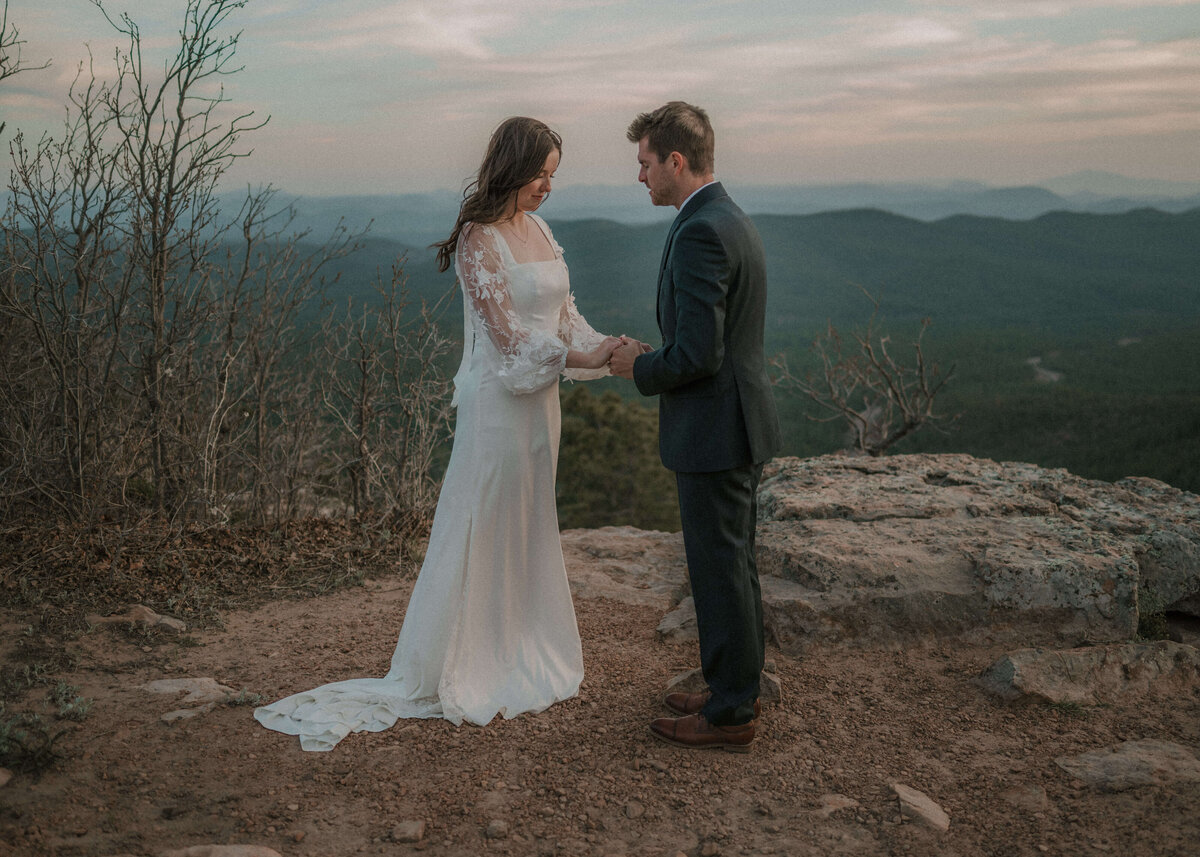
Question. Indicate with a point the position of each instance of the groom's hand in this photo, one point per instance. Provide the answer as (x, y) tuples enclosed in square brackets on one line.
[(621, 362)]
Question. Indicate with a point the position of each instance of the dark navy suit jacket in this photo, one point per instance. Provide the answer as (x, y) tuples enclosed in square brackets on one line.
[(716, 409)]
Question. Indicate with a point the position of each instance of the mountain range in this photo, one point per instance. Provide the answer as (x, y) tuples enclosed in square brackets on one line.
[(421, 218), (1063, 271), (1074, 334)]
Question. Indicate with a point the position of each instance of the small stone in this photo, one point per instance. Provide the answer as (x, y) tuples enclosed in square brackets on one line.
[(710, 849), (141, 613), (828, 804), (1028, 797), (496, 829), (293, 807), (5, 777), (633, 809), (197, 690), (185, 713), (917, 806), (412, 830), (170, 623)]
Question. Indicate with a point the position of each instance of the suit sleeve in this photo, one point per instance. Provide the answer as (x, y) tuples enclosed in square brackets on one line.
[(695, 349)]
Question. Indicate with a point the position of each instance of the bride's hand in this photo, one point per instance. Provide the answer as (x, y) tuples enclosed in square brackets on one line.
[(605, 351), (597, 358)]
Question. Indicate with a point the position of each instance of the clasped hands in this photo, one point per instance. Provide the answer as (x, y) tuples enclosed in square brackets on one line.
[(621, 361), (618, 353)]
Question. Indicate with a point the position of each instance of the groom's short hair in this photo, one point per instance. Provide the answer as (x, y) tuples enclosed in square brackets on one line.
[(677, 127)]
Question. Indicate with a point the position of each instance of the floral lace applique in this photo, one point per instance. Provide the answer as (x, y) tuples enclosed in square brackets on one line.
[(530, 358)]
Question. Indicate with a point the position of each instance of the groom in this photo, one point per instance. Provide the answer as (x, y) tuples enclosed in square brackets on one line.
[(717, 420)]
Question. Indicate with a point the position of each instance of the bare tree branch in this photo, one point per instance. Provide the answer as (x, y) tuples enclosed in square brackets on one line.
[(11, 62), (156, 352), (880, 399)]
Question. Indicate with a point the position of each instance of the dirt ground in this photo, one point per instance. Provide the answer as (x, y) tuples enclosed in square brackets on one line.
[(585, 777)]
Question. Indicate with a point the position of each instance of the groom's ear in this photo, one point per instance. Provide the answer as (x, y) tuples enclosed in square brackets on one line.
[(678, 162)]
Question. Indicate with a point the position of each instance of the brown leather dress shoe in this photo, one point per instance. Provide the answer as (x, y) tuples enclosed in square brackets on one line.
[(691, 703), (695, 733)]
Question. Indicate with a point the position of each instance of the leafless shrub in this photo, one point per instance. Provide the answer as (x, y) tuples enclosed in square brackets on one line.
[(385, 392), (155, 353), (860, 382)]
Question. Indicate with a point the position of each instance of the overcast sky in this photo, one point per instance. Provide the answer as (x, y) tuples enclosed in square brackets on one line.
[(375, 96)]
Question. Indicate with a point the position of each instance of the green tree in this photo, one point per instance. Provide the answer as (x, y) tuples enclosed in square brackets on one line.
[(609, 472)]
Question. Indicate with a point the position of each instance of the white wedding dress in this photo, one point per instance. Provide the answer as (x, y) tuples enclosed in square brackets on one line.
[(490, 628)]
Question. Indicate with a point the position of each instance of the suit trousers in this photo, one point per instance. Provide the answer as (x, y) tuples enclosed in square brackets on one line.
[(719, 512)]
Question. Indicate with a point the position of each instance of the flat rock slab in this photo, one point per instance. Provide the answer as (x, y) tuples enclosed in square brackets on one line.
[(626, 564), (1095, 674), (895, 549), (908, 545), (1148, 762)]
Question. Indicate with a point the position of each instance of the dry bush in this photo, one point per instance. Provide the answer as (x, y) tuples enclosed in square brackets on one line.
[(156, 357), (860, 382)]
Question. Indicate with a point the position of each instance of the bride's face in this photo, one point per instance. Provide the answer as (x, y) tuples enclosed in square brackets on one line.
[(532, 195)]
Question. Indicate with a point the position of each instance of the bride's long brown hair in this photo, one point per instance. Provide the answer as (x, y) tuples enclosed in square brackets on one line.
[(515, 157)]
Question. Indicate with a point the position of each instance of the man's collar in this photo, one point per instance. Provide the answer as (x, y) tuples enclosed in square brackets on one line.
[(696, 191)]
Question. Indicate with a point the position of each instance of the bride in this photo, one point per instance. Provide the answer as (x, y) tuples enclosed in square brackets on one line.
[(490, 628)]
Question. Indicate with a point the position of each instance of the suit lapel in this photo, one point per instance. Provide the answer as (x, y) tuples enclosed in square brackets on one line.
[(691, 207), (662, 271)]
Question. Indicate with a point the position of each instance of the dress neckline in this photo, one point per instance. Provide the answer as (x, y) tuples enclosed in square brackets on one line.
[(545, 233)]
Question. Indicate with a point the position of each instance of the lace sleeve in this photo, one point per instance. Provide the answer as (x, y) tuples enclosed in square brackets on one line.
[(530, 359), (574, 330)]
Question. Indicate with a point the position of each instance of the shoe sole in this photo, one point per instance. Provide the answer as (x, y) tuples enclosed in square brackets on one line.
[(729, 748), (685, 713)]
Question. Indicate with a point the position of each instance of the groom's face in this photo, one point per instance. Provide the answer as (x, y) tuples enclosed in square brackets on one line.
[(656, 175)]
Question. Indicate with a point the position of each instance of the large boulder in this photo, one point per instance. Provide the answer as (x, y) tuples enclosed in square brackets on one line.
[(892, 548), (885, 550)]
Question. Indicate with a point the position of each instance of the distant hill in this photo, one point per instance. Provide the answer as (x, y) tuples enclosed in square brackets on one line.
[(1099, 184), (421, 218), (1058, 271), (1108, 304), (1061, 271)]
